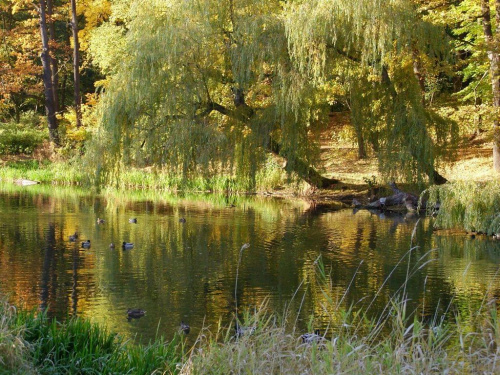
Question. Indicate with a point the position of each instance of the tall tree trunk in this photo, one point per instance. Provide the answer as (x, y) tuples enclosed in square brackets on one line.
[(53, 60), (493, 56), (76, 64), (50, 107), (243, 113)]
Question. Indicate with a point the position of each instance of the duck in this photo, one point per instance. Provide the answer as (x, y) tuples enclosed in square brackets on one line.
[(100, 221), (182, 220), (132, 221), (127, 245), (111, 245), (73, 237), (185, 328), (135, 313), (86, 244), (242, 331), (310, 338)]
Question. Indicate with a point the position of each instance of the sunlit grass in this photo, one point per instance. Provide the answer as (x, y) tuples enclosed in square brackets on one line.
[(32, 343), (71, 173), (61, 173)]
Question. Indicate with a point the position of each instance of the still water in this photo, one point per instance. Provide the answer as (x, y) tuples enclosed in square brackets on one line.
[(187, 271)]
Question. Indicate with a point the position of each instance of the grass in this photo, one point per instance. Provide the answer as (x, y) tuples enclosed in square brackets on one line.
[(71, 173), (473, 206), (31, 343), (396, 342), (58, 173)]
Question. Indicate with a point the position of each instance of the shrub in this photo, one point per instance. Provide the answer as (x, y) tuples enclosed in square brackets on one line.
[(22, 137)]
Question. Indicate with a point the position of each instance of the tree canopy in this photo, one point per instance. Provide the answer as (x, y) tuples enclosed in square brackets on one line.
[(209, 87)]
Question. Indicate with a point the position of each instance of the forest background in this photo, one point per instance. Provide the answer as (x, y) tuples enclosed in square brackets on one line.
[(249, 95)]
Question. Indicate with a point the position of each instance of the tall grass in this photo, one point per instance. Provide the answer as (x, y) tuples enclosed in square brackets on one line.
[(60, 173), (32, 343), (14, 348), (473, 206), (71, 172), (397, 341)]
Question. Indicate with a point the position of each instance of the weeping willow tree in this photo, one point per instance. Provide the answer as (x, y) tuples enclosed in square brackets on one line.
[(383, 42), (209, 86)]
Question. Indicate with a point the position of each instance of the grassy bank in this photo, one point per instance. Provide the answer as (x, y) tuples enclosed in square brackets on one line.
[(272, 177), (472, 206), (33, 344), (393, 344)]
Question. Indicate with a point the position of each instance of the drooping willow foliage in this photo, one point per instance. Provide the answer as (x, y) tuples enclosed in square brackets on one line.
[(383, 39), (204, 86), (473, 206)]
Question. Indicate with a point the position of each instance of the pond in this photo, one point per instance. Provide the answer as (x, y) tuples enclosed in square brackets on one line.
[(186, 271)]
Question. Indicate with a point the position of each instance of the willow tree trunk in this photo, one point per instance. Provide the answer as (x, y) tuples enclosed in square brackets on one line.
[(53, 60), (76, 65), (50, 107), (304, 170), (493, 56)]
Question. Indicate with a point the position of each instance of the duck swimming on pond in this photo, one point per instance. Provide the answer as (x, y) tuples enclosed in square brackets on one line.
[(135, 313), (132, 221), (111, 245), (86, 244), (73, 237), (127, 245), (100, 221), (185, 328), (182, 220)]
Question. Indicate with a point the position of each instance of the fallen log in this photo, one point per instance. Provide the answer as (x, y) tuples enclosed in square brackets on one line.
[(400, 200)]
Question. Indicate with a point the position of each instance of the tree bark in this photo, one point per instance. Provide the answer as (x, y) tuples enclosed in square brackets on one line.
[(243, 113), (493, 56), (47, 77), (76, 64), (53, 60), (417, 70), (305, 171)]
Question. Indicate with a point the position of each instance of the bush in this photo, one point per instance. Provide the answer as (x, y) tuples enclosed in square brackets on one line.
[(23, 137)]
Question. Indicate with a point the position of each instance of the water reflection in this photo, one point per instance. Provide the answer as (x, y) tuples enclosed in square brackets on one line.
[(187, 271)]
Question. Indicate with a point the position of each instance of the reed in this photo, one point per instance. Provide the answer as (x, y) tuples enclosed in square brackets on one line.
[(394, 342), (473, 206)]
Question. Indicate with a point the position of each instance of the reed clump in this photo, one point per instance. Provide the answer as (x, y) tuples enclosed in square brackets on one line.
[(472, 206)]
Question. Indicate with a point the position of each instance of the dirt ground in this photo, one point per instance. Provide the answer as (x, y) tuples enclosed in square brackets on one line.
[(472, 160)]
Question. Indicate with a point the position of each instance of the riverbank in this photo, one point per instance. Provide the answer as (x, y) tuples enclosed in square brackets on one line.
[(271, 181), (360, 177)]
